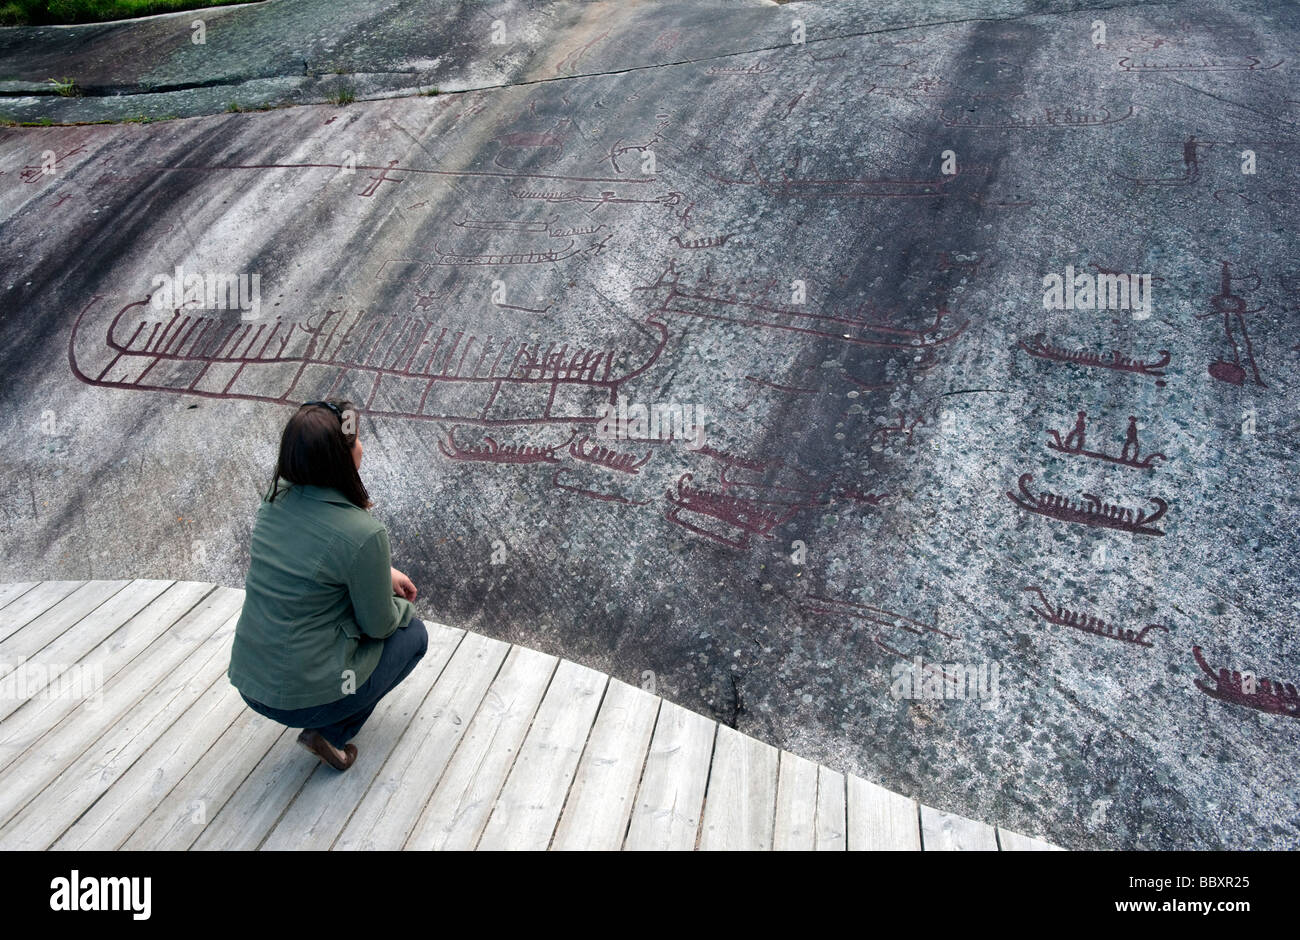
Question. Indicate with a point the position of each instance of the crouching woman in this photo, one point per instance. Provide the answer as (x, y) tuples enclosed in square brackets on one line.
[(327, 628)]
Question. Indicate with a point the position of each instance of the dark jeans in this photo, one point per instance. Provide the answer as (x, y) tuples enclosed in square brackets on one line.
[(338, 722)]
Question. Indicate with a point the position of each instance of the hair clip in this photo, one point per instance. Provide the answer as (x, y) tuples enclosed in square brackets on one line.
[(333, 408)]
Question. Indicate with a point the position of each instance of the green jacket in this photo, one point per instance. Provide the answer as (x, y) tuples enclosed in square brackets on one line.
[(318, 600)]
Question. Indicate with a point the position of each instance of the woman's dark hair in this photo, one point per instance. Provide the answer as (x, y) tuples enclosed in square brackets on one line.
[(316, 450)]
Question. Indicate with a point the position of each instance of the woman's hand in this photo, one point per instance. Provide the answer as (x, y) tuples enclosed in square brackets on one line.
[(402, 585)]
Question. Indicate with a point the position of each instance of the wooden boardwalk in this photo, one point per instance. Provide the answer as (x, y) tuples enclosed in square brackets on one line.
[(120, 730)]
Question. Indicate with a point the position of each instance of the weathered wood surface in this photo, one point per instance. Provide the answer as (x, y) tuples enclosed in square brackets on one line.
[(484, 746)]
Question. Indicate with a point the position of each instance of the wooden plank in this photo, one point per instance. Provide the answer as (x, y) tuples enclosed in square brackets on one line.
[(796, 805), (182, 815), (244, 820), (455, 815), (1010, 841), (596, 815), (55, 655), (740, 804), (40, 632), (106, 757), (31, 604), (30, 759), (34, 717), (322, 808), (671, 796), (92, 604), (529, 805), (832, 814), (252, 811), (138, 791), (393, 803), (96, 604), (13, 590), (879, 819), (948, 832), (173, 746)]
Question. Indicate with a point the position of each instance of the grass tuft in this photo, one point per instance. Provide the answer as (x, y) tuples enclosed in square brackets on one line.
[(62, 12), (344, 94), (66, 87)]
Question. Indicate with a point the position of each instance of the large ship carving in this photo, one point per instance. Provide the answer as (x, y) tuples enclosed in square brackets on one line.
[(400, 366)]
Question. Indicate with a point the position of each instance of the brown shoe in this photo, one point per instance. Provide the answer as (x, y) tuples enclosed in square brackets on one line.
[(340, 760)]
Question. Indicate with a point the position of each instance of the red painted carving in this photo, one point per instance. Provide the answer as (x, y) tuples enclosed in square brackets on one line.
[(1092, 511), (424, 301), (542, 147), (1040, 348), (576, 54), (1050, 117), (536, 310), (518, 257), (606, 198), (1090, 624), (740, 517), (879, 616), (788, 479), (594, 494), (504, 225), (377, 181), (866, 387), (1233, 310), (569, 232), (935, 669), (714, 241), (409, 170), (551, 138), (492, 452), (1246, 64), (34, 172), (861, 496), (375, 350), (758, 68), (794, 102), (724, 303), (618, 148), (1074, 442), (1268, 695), (605, 457)]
